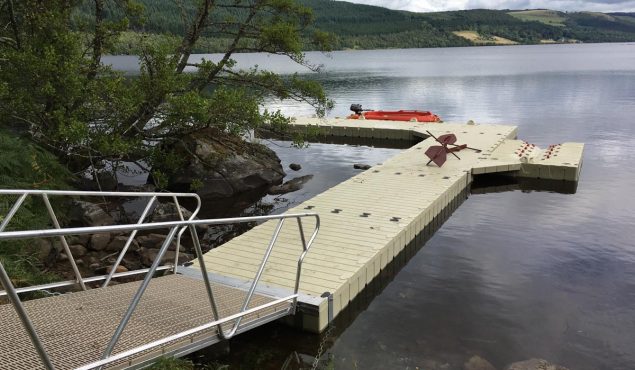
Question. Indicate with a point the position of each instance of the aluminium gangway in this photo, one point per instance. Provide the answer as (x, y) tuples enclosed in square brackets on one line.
[(130, 325)]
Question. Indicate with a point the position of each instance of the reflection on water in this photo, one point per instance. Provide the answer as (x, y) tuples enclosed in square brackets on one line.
[(499, 183), (328, 163), (509, 276)]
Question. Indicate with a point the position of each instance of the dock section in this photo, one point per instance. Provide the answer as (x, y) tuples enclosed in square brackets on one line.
[(368, 219)]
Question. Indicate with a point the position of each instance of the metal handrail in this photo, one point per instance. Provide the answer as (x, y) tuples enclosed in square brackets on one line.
[(45, 233), (177, 228), (183, 334), (23, 194)]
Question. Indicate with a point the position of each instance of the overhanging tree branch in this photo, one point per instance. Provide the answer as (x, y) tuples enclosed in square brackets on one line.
[(193, 34), (14, 25), (98, 39)]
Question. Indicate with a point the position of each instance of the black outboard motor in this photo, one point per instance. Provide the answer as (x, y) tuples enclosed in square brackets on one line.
[(357, 108)]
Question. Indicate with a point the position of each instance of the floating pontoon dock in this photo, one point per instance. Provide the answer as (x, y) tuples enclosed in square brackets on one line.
[(364, 223), (368, 219)]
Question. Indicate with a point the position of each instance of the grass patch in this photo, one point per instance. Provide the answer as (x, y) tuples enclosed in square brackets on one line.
[(170, 363), (26, 166), (550, 17), (167, 363), (626, 18), (477, 38), (603, 16)]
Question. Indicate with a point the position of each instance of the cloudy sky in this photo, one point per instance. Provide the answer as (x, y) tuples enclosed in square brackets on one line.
[(571, 5)]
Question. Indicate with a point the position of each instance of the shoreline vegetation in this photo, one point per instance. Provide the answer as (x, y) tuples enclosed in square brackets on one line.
[(363, 27)]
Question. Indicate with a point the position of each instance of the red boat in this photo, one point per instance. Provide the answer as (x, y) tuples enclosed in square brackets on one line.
[(400, 115)]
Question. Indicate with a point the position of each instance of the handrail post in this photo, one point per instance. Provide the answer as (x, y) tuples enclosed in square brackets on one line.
[(113, 268), (254, 284), (178, 236), (137, 296), (306, 245), (24, 317), (301, 230), (62, 239), (208, 285)]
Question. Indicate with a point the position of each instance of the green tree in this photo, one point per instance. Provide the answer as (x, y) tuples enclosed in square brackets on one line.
[(54, 85)]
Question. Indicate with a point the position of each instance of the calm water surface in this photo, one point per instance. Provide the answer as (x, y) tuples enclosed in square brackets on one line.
[(509, 276)]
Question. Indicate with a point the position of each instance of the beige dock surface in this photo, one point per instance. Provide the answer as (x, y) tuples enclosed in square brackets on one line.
[(367, 220), (75, 328)]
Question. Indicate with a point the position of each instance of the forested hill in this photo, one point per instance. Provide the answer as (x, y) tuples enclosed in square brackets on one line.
[(367, 27), (357, 26)]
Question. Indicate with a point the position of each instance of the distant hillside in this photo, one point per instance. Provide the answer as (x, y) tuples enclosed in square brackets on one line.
[(585, 26), (357, 26), (371, 27), (496, 23)]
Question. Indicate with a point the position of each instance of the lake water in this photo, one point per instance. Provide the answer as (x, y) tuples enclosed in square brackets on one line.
[(510, 276)]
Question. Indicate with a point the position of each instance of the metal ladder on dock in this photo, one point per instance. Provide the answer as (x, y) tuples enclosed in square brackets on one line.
[(130, 325)]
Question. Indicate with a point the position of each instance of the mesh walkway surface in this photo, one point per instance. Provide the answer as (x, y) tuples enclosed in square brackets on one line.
[(75, 328)]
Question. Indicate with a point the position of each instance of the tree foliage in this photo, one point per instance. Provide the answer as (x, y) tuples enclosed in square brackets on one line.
[(54, 85)]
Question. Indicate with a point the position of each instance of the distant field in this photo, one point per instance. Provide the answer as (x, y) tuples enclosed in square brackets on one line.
[(477, 38), (550, 17), (625, 18), (606, 17)]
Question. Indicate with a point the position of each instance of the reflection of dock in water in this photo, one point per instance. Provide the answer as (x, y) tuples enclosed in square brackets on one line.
[(368, 220)]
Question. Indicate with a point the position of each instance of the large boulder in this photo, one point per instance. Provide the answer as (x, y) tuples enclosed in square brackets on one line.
[(165, 212), (534, 364), (151, 240), (104, 181), (99, 241), (224, 165), (78, 250), (290, 186), (478, 363), (149, 255), (118, 242), (89, 214), (41, 249)]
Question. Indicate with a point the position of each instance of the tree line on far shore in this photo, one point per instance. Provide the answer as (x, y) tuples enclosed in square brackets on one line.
[(356, 26)]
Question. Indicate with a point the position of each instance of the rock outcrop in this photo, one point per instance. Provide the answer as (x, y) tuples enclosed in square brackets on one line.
[(224, 166), (89, 214), (290, 186), (96, 253), (361, 166), (165, 212), (478, 363), (534, 364)]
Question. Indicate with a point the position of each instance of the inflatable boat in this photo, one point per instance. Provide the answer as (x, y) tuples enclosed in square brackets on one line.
[(399, 115)]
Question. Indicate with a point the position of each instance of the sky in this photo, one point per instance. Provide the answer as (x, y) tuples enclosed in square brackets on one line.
[(564, 5)]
